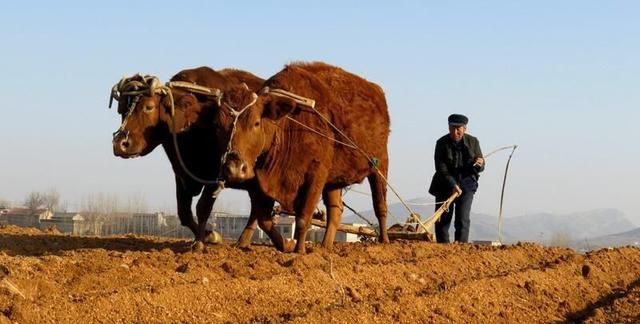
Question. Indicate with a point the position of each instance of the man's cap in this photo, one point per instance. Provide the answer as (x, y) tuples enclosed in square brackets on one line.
[(458, 120)]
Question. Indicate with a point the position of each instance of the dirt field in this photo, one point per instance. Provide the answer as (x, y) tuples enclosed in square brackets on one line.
[(53, 278)]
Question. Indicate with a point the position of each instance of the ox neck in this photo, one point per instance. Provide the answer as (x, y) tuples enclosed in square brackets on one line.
[(272, 132)]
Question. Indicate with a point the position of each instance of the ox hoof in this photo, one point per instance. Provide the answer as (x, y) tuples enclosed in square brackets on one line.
[(197, 246), (213, 237), (289, 246), (242, 246), (327, 247)]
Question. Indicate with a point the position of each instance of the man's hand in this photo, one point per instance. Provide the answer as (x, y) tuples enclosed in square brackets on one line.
[(457, 189), (478, 162)]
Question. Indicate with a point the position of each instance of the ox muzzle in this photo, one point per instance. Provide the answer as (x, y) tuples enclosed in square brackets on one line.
[(235, 169), (123, 146)]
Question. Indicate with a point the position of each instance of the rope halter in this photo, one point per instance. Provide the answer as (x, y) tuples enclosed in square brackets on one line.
[(138, 85), (254, 97), (132, 87), (235, 114)]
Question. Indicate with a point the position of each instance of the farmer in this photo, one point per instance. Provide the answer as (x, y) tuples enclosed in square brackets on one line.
[(458, 162)]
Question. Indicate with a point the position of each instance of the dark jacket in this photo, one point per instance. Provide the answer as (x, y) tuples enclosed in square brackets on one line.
[(454, 165)]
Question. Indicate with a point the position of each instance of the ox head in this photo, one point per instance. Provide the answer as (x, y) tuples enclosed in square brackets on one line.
[(138, 108), (151, 112), (247, 123)]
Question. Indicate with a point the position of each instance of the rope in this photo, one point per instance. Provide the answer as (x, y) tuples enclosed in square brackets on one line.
[(501, 149), (349, 189), (355, 146), (360, 216), (425, 204), (317, 132)]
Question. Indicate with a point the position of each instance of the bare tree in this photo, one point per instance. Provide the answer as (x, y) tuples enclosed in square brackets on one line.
[(104, 213), (63, 206), (560, 238), (136, 204), (34, 200), (4, 203), (52, 200), (96, 208)]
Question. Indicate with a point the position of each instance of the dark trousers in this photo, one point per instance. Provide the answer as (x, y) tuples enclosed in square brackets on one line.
[(462, 208)]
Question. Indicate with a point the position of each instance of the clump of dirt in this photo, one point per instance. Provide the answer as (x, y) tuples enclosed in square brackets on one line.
[(51, 277)]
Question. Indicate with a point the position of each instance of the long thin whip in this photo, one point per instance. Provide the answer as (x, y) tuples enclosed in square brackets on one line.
[(504, 181)]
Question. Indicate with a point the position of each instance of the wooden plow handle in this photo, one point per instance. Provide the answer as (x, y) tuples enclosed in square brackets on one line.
[(445, 206)]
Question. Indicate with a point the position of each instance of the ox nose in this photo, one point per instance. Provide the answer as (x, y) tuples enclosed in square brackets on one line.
[(235, 169), (120, 145), (124, 145)]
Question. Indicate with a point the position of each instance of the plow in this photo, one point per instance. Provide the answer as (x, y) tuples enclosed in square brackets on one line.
[(414, 228)]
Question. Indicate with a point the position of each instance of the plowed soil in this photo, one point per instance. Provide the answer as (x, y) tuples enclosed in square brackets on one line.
[(52, 278)]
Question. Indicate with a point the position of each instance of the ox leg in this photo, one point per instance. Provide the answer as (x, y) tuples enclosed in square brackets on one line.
[(185, 214), (244, 241), (203, 212), (379, 196), (261, 207), (306, 209), (333, 201)]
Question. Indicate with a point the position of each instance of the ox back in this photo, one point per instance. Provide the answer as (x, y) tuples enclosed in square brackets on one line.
[(290, 170), (357, 107)]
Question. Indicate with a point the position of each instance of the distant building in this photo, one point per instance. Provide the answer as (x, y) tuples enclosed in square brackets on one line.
[(175, 229), (487, 242), (137, 223), (69, 223), (24, 217), (316, 234), (286, 225), (230, 226), (148, 223)]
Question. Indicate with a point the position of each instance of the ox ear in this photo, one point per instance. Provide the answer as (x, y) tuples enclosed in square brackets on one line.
[(186, 110), (276, 107)]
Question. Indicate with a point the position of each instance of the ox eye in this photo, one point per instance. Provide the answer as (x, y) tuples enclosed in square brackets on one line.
[(149, 108), (256, 124)]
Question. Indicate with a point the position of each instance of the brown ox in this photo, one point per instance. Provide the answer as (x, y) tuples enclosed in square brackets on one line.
[(147, 123), (294, 152)]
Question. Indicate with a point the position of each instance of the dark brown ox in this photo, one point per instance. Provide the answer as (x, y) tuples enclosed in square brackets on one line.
[(296, 154), (147, 122)]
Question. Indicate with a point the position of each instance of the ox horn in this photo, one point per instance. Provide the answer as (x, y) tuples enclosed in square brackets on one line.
[(115, 90), (114, 95), (153, 85)]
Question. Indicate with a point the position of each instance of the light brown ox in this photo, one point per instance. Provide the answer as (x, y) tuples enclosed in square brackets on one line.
[(295, 164)]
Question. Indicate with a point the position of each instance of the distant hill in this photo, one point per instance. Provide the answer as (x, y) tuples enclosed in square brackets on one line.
[(631, 237), (575, 226), (540, 227)]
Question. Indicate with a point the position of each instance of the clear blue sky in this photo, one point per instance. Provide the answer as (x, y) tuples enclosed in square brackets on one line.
[(558, 78)]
